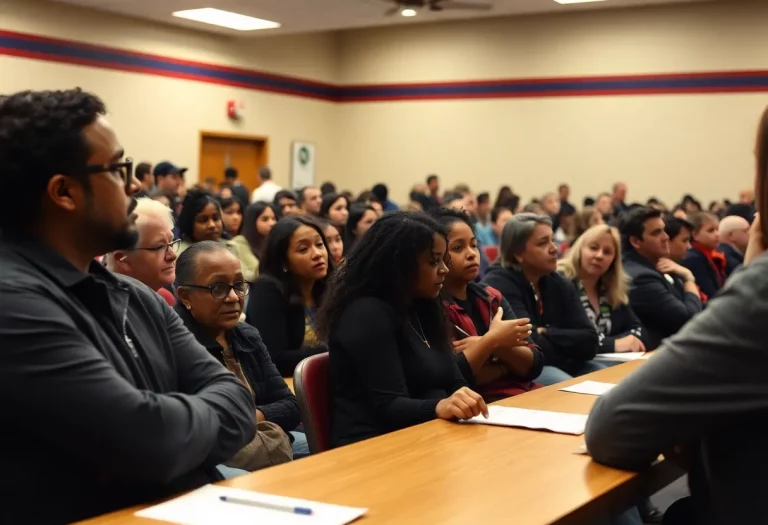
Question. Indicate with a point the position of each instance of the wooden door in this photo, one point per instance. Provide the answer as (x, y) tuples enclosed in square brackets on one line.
[(245, 153)]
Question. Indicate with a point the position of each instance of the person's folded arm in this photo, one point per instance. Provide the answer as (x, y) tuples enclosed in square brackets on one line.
[(368, 333), (54, 382), (708, 378), (653, 302)]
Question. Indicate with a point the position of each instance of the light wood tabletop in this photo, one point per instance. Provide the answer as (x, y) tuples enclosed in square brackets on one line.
[(447, 473), (289, 382)]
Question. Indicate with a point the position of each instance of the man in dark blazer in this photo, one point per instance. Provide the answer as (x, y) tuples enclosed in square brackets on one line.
[(663, 294)]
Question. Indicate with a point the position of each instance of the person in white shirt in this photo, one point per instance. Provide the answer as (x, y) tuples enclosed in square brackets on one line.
[(267, 190)]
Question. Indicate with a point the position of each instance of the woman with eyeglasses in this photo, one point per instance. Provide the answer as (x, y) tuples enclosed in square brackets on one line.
[(201, 220), (211, 292), (287, 294), (153, 260)]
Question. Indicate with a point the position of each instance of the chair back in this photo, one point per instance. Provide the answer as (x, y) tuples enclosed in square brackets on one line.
[(310, 379)]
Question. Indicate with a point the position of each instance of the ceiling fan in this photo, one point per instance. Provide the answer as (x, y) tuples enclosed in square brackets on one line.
[(436, 5)]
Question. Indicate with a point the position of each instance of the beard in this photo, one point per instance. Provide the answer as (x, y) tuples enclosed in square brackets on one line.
[(105, 236)]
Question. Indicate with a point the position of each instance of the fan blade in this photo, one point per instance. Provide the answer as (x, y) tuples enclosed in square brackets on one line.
[(450, 4)]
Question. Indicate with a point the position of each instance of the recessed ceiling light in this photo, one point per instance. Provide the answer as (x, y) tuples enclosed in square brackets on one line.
[(217, 17), (577, 1), (408, 12)]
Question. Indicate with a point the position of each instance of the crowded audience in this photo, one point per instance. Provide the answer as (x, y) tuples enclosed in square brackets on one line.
[(152, 321)]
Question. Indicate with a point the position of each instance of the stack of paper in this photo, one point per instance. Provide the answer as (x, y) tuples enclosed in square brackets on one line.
[(534, 419), (594, 388), (205, 507), (621, 356)]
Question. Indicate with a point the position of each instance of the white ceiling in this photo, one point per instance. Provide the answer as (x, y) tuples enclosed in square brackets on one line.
[(302, 16)]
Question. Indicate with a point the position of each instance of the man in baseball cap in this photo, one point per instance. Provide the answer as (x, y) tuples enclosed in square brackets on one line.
[(168, 177)]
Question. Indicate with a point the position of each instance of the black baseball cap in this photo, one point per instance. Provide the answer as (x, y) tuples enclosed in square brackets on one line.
[(167, 168)]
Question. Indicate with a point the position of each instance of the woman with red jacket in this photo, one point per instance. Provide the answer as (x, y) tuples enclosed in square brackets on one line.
[(498, 362)]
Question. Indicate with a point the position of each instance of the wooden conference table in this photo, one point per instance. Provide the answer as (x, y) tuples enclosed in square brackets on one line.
[(446, 473)]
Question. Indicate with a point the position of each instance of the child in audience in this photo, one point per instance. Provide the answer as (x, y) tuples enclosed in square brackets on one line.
[(526, 276), (334, 239), (707, 264), (594, 267), (335, 208), (391, 362), (287, 204), (294, 271), (490, 343), (361, 218), (211, 294), (231, 215), (259, 219)]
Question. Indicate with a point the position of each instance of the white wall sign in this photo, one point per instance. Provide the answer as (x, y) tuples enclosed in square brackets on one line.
[(302, 164)]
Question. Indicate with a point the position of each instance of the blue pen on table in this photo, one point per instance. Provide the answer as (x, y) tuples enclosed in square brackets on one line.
[(264, 505)]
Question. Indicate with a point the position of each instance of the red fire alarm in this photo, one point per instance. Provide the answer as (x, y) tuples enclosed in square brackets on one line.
[(235, 109)]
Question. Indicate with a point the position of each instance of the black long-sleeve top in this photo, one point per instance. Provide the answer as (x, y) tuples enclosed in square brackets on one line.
[(383, 376)]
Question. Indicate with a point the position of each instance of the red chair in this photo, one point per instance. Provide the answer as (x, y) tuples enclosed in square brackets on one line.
[(310, 379), (491, 252)]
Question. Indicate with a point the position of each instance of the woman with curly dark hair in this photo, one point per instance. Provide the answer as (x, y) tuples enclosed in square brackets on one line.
[(391, 361)]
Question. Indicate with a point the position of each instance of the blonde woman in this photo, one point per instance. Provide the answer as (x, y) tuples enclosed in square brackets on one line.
[(594, 266)]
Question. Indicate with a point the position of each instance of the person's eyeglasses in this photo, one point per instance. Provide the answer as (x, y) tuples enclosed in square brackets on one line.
[(221, 290), (163, 248), (124, 170)]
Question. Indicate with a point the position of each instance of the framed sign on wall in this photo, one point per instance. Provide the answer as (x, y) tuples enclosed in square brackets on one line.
[(302, 164)]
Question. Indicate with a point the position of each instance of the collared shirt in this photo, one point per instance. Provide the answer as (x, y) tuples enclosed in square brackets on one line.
[(105, 391)]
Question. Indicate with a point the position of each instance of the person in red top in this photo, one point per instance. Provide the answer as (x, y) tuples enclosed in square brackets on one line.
[(492, 347), (707, 264)]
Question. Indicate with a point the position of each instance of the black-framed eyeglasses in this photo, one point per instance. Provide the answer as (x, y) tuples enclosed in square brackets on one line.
[(221, 290), (122, 169), (164, 248)]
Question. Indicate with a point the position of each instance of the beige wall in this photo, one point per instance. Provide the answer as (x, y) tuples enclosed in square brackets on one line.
[(160, 118), (662, 145)]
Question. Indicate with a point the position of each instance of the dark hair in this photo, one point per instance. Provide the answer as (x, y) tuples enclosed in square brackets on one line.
[(385, 264), (652, 201), (356, 213), (325, 223), (143, 170), (327, 187), (497, 211), (381, 192), (41, 135), (255, 240), (761, 177), (265, 173), (483, 198), (300, 194), (448, 216), (632, 223), (673, 226), (329, 200), (741, 210), (230, 173), (430, 178), (505, 192), (195, 201), (226, 203), (365, 197), (186, 266), (275, 259), (589, 201), (283, 194), (451, 197)]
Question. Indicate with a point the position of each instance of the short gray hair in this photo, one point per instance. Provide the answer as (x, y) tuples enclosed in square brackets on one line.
[(146, 210), (515, 236)]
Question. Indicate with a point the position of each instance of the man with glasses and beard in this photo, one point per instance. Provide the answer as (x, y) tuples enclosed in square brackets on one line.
[(108, 401)]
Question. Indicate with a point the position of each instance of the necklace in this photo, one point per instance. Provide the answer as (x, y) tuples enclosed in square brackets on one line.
[(421, 335)]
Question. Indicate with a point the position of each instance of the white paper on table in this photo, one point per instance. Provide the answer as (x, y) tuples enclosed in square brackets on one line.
[(203, 507), (534, 419), (621, 356), (594, 388)]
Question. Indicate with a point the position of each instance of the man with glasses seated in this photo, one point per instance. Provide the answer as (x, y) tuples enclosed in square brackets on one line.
[(153, 260), (108, 400)]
